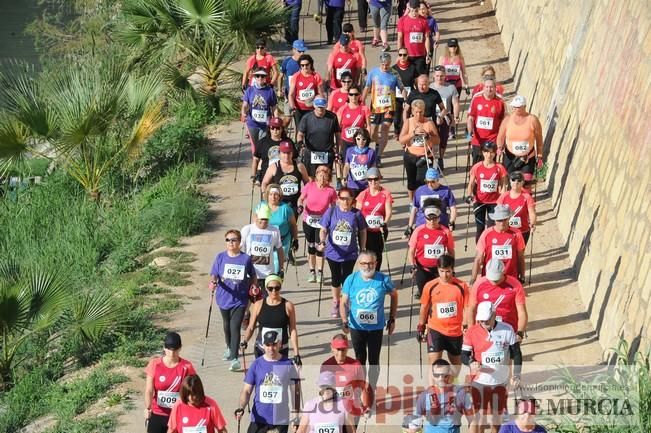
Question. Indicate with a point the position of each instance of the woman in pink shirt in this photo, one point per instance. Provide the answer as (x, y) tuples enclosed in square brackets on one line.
[(316, 197), (455, 66)]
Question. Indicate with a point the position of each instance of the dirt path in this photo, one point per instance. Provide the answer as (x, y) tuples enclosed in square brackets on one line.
[(559, 331)]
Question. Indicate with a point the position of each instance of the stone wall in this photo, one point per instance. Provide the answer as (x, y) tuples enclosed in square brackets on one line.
[(585, 68)]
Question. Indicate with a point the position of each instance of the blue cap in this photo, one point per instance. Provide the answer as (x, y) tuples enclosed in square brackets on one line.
[(299, 45), (320, 101), (344, 39), (432, 174)]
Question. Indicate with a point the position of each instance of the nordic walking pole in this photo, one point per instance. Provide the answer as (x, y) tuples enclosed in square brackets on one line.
[(251, 207), (244, 371), (465, 246), (532, 233), (239, 152), (388, 353), (386, 255), (411, 302), (205, 341), (318, 311), (404, 267), (420, 357)]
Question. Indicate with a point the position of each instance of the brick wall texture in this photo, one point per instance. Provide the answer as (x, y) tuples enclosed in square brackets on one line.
[(585, 68)]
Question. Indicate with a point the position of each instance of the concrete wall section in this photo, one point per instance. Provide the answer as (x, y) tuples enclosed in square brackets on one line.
[(585, 68)]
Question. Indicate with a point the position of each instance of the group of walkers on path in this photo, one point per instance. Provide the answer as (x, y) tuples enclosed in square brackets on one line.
[(313, 160)]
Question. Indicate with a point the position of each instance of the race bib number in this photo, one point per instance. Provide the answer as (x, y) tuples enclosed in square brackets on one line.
[(313, 221), (446, 310), (350, 132), (166, 399), (289, 188), (520, 147), (485, 123), (493, 358), (453, 70), (416, 37), (359, 172), (434, 251), (374, 221), (271, 394), (259, 116), (488, 185), (319, 157), (515, 222), (503, 252), (306, 95), (341, 238), (383, 101), (367, 317), (260, 248), (418, 141), (326, 427), (344, 392), (341, 71), (234, 272), (196, 429)]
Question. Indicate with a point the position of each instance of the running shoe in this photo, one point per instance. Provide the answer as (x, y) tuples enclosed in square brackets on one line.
[(376, 43), (386, 48), (227, 354), (312, 277), (235, 365), (319, 277)]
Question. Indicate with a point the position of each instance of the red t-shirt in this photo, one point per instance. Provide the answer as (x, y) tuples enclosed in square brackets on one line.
[(506, 246), (430, 244), (167, 383), (350, 383), (306, 89), (342, 62), (352, 118), (499, 89), (487, 115), (354, 45), (415, 32), (267, 62), (336, 100), (488, 181), (520, 208), (504, 296), (207, 415), (374, 208)]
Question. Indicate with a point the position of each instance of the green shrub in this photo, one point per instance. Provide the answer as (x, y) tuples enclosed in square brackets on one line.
[(25, 401)]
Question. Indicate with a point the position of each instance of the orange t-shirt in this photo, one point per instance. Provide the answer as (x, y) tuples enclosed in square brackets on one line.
[(447, 302)]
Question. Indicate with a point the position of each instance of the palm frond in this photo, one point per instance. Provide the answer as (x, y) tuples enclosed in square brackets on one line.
[(47, 297), (91, 315), (152, 118), (203, 18), (249, 19)]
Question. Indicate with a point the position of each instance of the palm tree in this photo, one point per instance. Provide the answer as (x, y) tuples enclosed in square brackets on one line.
[(34, 302), (86, 117)]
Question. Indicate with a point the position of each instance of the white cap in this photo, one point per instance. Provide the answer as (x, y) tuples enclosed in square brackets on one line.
[(519, 101), (484, 310), (494, 269)]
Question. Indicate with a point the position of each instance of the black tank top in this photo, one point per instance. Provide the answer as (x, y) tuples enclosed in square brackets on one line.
[(273, 318), (290, 183)]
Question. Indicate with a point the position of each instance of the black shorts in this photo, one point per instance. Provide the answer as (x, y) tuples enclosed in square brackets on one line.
[(311, 168), (256, 427), (437, 342), (380, 118), (157, 423)]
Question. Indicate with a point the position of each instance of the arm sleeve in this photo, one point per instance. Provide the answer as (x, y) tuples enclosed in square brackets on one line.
[(149, 370), (302, 126), (191, 369), (472, 110), (520, 297), (214, 270), (388, 284), (516, 355), (249, 377), (413, 239), (451, 200), (325, 219), (361, 221), (529, 200), (217, 416)]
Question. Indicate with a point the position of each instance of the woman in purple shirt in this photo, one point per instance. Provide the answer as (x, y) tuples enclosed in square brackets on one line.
[(231, 276), (525, 420), (344, 228)]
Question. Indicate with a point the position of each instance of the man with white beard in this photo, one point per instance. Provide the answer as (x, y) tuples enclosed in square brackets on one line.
[(362, 312)]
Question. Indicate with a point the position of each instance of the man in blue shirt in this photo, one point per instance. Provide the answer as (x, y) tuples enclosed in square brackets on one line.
[(290, 66)]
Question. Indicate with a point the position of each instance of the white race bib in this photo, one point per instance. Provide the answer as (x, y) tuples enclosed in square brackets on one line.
[(196, 429), (453, 70), (341, 71), (359, 172), (418, 141), (484, 122), (166, 398), (492, 358), (382, 101), (344, 391), (368, 317), (234, 272), (434, 251), (271, 394), (313, 221), (306, 95), (326, 427), (350, 132), (318, 157), (341, 238), (416, 37), (520, 147), (446, 310), (259, 116), (374, 221), (289, 188), (261, 249), (515, 222), (488, 185), (503, 252)]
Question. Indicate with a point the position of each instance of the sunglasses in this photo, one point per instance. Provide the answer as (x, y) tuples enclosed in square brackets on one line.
[(260, 47), (517, 180), (275, 127), (353, 94), (345, 198), (361, 138), (273, 288), (232, 240), (347, 81), (373, 179), (260, 76), (403, 54)]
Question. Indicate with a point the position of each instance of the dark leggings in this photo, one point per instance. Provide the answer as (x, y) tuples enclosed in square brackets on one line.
[(339, 271), (232, 321), (415, 174), (424, 275), (368, 343), (375, 243), (157, 423), (312, 238), (482, 220), (477, 156), (362, 13), (526, 235)]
